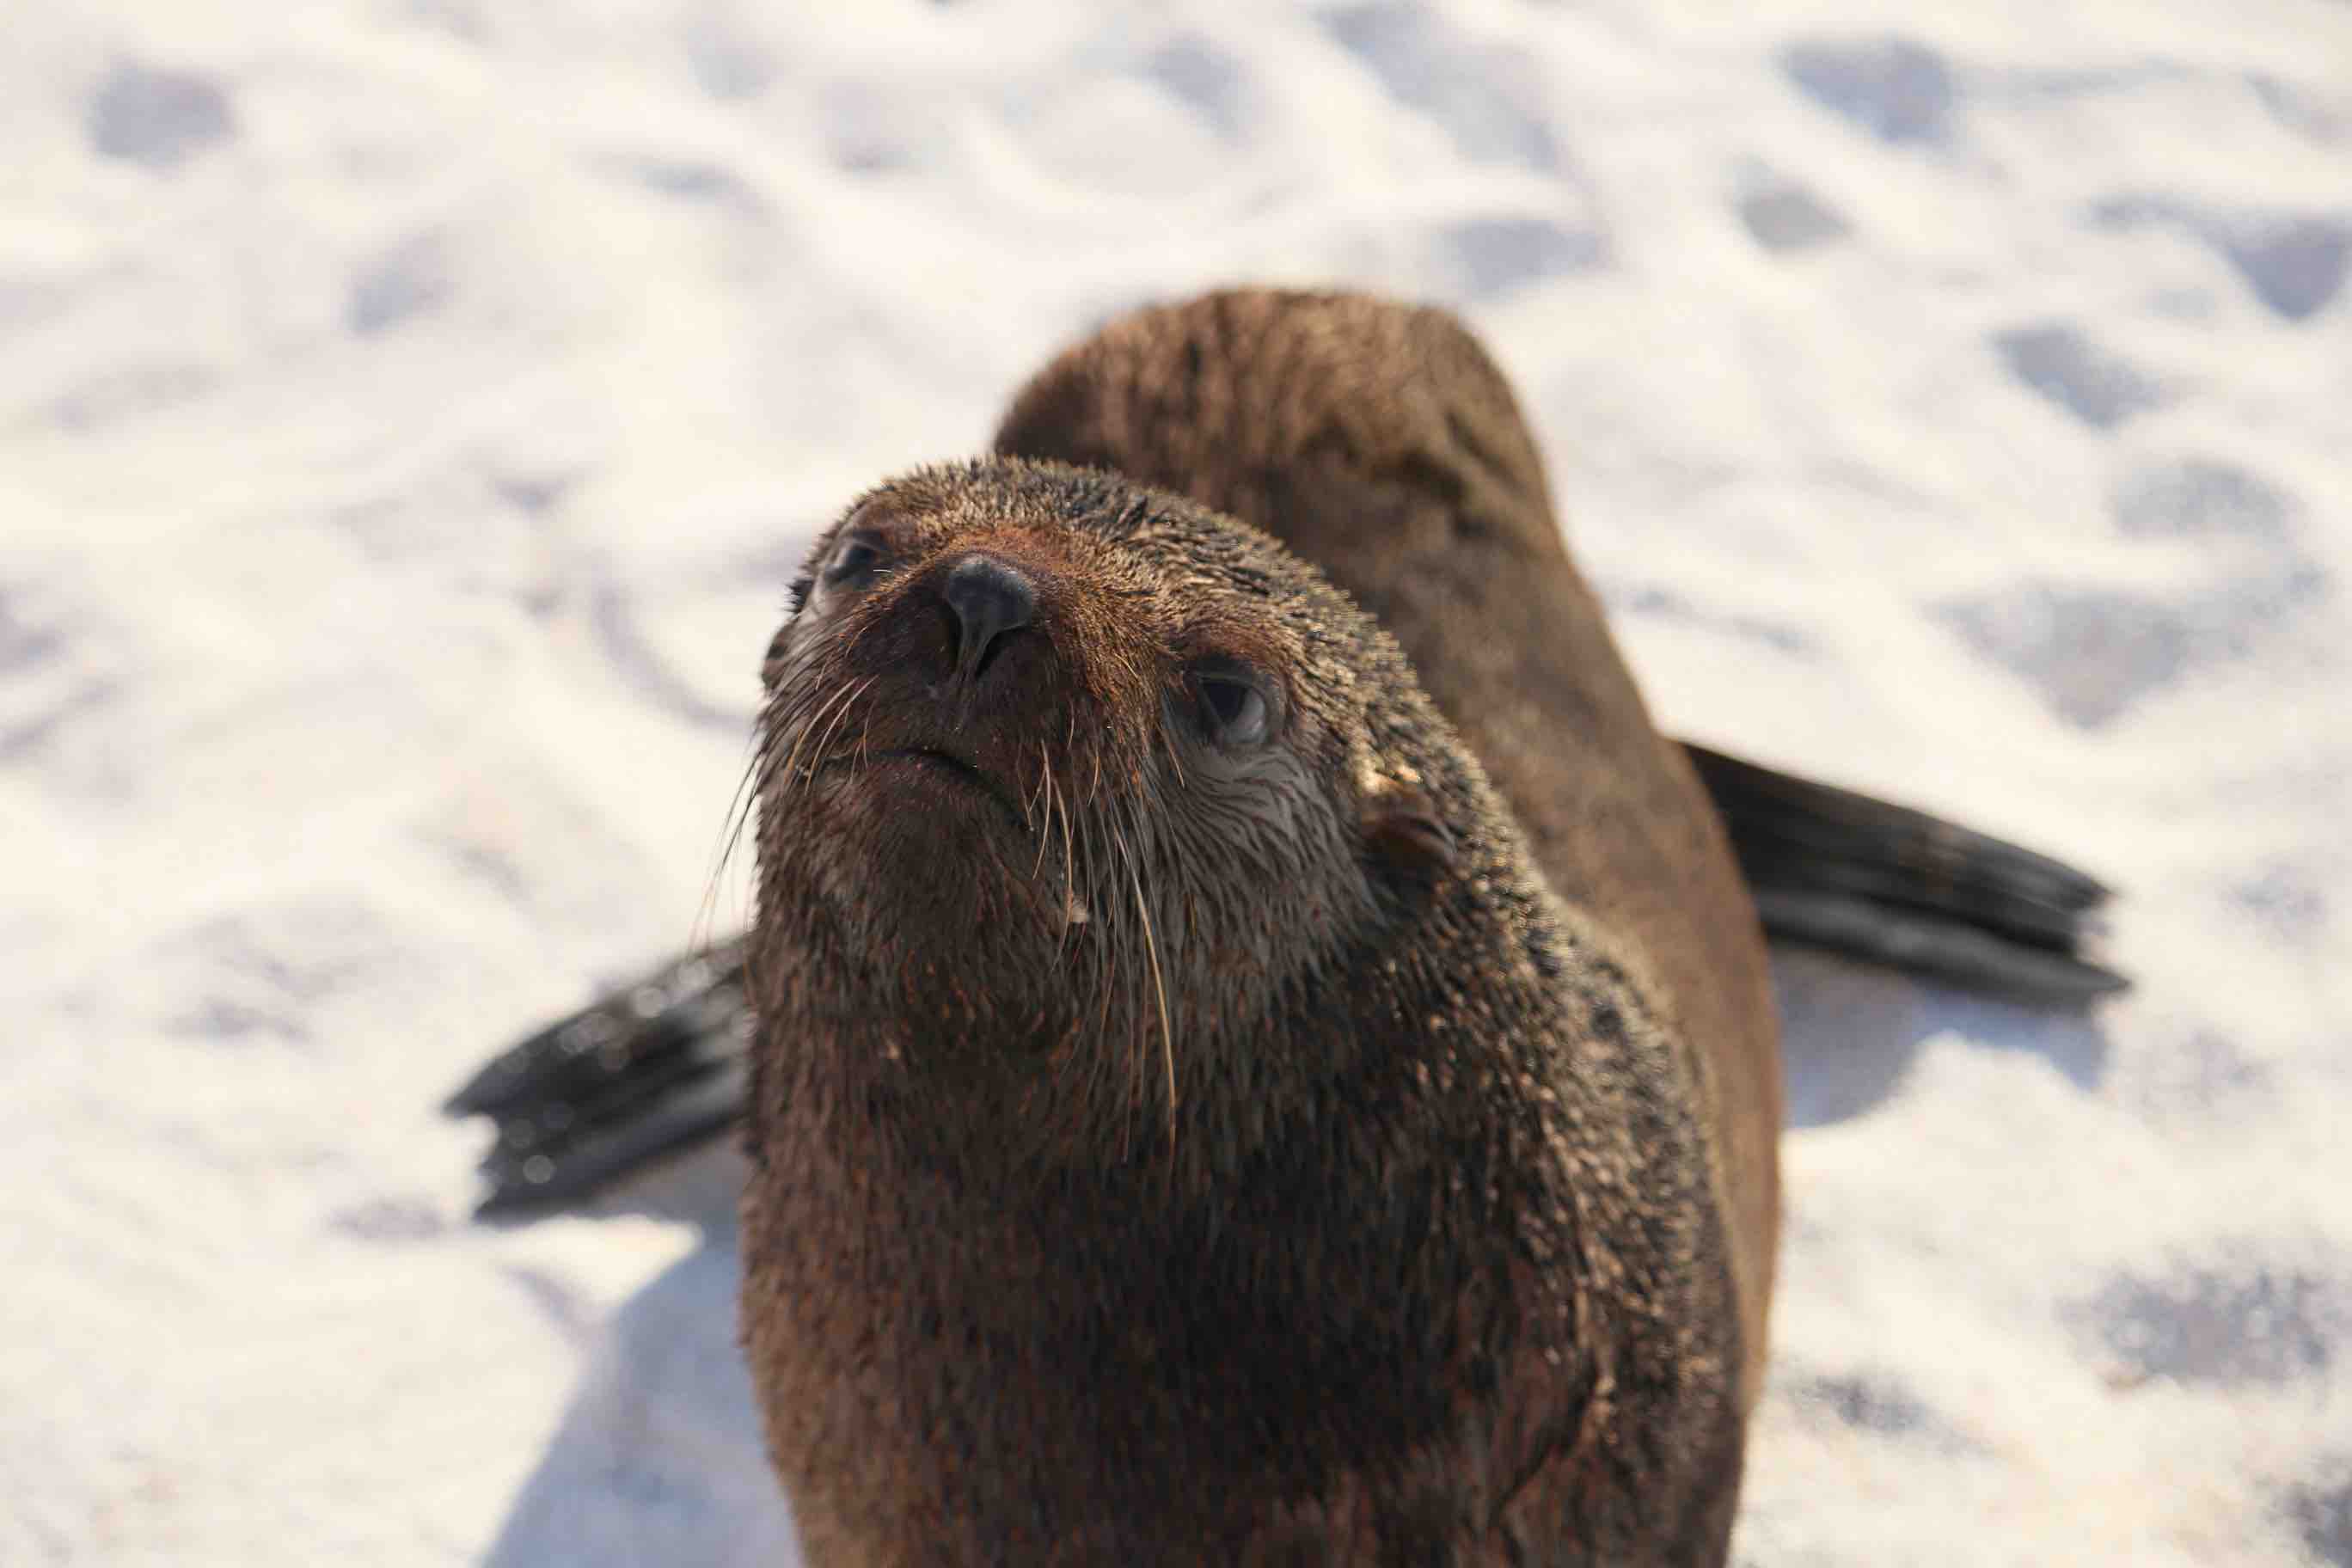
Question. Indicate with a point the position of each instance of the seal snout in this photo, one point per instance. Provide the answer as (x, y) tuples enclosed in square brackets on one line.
[(989, 600)]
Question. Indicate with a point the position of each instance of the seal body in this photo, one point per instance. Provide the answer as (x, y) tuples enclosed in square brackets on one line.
[(1214, 1099), (1379, 441)]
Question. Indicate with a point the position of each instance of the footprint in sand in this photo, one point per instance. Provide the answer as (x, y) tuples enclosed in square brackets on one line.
[(1899, 90), (158, 118), (2060, 362), (1785, 218), (2233, 1319), (1487, 99)]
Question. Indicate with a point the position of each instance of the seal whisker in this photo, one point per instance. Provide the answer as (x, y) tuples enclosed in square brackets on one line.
[(1045, 790), (1152, 954), (1069, 856), (865, 734), (1069, 853), (1111, 977), (787, 777), (1166, 1036), (839, 714), (840, 711), (731, 837), (1175, 759)]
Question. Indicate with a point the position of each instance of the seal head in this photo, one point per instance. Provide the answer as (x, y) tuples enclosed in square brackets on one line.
[(1035, 742)]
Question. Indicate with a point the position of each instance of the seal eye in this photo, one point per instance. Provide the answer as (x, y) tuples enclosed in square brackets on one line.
[(853, 561), (1234, 709)]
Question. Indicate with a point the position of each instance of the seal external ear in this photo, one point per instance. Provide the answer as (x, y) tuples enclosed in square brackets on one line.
[(1404, 837)]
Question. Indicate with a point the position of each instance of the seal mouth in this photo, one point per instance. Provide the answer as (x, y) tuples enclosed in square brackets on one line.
[(947, 765)]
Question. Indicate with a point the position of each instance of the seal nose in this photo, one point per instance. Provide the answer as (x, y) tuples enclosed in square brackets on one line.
[(989, 600)]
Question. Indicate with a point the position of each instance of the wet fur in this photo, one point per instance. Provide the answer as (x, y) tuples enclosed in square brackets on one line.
[(1379, 441), (1442, 1232)]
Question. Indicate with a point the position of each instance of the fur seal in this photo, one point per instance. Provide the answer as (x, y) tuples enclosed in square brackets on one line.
[(1190, 1120), (1145, 1364)]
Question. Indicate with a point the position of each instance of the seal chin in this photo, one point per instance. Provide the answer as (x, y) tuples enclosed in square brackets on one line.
[(932, 775), (936, 839)]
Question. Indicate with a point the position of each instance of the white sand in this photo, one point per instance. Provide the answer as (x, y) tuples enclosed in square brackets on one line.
[(410, 413)]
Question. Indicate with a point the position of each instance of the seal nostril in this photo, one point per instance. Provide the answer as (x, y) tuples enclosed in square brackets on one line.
[(987, 601)]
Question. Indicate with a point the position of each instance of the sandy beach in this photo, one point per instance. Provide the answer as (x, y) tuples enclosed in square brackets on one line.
[(412, 413)]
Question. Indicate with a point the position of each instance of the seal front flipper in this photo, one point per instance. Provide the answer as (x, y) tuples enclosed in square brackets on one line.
[(1834, 869), (646, 1071)]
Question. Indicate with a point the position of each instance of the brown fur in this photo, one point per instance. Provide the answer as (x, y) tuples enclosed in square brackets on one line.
[(1335, 1189), (1380, 443)]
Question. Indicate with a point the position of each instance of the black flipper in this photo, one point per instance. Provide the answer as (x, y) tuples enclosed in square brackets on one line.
[(648, 1071), (1890, 885), (660, 1066)]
